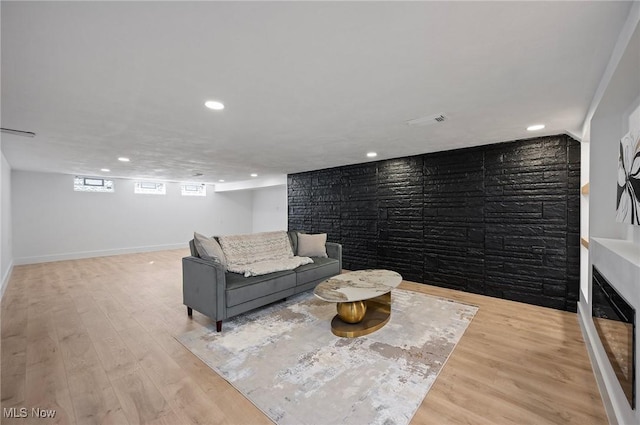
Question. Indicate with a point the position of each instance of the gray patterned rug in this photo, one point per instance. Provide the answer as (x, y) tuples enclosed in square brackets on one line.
[(285, 359)]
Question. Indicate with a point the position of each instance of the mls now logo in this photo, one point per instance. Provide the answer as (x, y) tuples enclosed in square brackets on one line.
[(14, 412), (23, 412)]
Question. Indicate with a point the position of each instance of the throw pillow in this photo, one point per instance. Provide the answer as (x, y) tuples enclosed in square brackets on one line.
[(209, 249), (312, 245)]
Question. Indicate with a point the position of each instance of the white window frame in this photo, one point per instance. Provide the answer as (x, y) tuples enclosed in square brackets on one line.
[(92, 184), (149, 188), (193, 189)]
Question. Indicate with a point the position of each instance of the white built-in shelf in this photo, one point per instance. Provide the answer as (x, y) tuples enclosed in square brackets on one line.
[(585, 189), (585, 242)]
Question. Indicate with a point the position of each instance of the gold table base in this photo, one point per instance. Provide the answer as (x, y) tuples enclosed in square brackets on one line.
[(378, 313)]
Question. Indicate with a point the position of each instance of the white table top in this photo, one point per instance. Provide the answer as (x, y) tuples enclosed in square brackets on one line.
[(357, 286)]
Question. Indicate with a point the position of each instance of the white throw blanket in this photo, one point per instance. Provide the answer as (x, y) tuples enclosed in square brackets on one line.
[(260, 253)]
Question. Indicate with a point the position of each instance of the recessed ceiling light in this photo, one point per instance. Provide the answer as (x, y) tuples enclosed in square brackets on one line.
[(535, 127), (106, 170), (371, 154), (221, 180), (254, 175), (214, 104), (123, 159)]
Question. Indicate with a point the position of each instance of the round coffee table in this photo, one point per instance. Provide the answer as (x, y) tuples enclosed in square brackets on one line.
[(363, 300)]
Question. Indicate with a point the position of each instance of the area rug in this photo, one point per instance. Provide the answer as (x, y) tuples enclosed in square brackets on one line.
[(286, 361)]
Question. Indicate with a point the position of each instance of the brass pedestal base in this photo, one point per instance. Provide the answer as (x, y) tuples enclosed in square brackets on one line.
[(378, 313), (352, 312)]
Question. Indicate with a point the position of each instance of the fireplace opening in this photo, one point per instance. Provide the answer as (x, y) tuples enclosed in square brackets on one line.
[(615, 320)]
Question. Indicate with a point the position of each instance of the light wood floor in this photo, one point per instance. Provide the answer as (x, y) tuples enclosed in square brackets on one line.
[(94, 339)]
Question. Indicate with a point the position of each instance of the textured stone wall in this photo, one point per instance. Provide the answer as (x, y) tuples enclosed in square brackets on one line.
[(501, 220)]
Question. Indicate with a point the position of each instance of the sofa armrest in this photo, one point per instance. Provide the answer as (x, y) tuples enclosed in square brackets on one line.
[(203, 287), (334, 250)]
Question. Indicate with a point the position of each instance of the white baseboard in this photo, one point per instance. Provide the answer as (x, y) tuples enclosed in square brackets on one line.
[(5, 279), (100, 253), (595, 365)]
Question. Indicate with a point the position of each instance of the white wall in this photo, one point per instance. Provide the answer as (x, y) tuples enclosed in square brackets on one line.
[(52, 222), (6, 258), (608, 120), (270, 209), (6, 254)]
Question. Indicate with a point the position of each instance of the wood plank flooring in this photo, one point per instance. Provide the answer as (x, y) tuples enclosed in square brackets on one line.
[(94, 340)]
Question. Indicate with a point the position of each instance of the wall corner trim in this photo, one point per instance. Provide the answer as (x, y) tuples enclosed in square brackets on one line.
[(5, 280), (574, 135)]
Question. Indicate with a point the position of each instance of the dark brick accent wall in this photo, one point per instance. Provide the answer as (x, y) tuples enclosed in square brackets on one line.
[(501, 220)]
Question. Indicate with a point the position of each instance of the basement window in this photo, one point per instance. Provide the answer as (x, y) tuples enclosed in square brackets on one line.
[(193, 189), (150, 188), (92, 184)]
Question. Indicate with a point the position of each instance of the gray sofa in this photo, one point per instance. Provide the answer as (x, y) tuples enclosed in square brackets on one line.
[(208, 289)]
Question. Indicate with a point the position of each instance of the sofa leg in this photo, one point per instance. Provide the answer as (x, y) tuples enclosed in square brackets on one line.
[(189, 312), (219, 326)]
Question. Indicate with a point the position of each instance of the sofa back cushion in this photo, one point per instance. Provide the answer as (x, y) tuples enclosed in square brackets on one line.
[(209, 249), (241, 250), (293, 236)]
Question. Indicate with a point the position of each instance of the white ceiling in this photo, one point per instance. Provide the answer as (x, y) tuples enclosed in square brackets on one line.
[(306, 85)]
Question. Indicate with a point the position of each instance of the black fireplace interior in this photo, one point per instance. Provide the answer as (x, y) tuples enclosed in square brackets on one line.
[(615, 321)]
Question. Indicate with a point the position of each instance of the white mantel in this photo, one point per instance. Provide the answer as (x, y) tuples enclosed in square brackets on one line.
[(619, 262)]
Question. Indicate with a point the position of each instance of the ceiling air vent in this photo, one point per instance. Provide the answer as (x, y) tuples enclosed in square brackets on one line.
[(431, 119)]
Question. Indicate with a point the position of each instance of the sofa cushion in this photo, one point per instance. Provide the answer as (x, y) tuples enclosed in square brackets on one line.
[(293, 236), (209, 249), (242, 289), (312, 245), (322, 268)]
